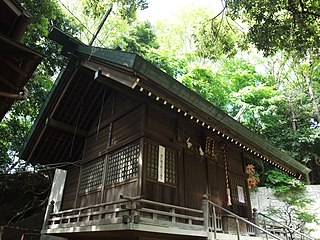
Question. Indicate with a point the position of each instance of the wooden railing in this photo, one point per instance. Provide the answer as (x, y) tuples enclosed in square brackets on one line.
[(161, 213), (128, 210), (141, 211), (110, 212)]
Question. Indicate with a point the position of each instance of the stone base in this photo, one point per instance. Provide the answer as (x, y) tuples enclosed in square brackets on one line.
[(48, 237)]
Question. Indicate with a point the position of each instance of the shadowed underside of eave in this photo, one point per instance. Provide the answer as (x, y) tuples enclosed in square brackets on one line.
[(17, 64), (60, 131)]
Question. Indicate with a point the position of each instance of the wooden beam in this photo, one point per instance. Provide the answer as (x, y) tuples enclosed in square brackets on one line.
[(14, 67), (8, 83), (115, 117), (65, 127)]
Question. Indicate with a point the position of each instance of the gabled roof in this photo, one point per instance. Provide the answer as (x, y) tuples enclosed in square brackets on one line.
[(91, 66), (17, 62)]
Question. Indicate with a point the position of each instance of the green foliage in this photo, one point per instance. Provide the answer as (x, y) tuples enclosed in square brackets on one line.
[(291, 26), (45, 14), (127, 9), (140, 38), (16, 124), (225, 86), (176, 33), (203, 82), (292, 194), (261, 106), (169, 62), (284, 185), (215, 38)]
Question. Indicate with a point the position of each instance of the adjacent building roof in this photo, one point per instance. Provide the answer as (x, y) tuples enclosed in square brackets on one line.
[(17, 62), (74, 104)]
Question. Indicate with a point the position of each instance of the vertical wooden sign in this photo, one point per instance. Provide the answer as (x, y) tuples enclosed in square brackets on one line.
[(241, 194), (161, 163)]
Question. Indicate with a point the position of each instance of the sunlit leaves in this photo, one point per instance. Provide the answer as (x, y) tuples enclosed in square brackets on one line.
[(215, 38), (203, 82), (291, 26), (127, 9), (140, 38), (169, 62), (45, 14), (294, 201)]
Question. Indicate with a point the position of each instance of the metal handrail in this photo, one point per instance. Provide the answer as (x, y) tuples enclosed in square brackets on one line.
[(286, 226), (242, 219)]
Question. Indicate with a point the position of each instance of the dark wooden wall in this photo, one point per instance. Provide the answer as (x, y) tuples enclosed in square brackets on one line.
[(131, 120), (196, 174)]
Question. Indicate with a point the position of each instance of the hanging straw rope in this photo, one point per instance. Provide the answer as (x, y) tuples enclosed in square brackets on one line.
[(224, 147)]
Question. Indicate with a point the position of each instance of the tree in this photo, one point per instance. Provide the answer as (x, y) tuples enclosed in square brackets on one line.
[(300, 133), (289, 117), (46, 14), (168, 61), (220, 82), (216, 38), (176, 33), (127, 9), (140, 38), (203, 81), (291, 193), (290, 26)]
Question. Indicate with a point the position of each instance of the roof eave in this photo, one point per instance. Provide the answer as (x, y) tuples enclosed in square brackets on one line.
[(180, 97)]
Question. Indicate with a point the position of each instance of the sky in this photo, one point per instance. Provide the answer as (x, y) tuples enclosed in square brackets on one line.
[(166, 9)]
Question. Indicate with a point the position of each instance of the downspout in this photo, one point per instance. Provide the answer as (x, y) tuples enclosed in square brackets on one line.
[(15, 96)]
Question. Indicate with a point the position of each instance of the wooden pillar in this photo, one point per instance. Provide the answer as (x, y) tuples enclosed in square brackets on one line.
[(256, 221), (205, 210), (49, 211)]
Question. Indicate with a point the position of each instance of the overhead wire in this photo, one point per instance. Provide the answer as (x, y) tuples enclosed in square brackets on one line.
[(80, 22)]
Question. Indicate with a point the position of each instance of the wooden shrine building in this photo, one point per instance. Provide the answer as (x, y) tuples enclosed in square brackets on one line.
[(137, 151), (17, 62)]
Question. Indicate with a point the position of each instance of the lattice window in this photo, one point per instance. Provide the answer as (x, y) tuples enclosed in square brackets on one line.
[(170, 167), (152, 155), (91, 176), (123, 164), (152, 160)]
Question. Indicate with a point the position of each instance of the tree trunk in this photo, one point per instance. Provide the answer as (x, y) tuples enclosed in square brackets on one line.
[(313, 98), (294, 122)]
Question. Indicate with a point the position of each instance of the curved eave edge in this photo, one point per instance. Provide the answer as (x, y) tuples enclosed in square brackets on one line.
[(176, 88)]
